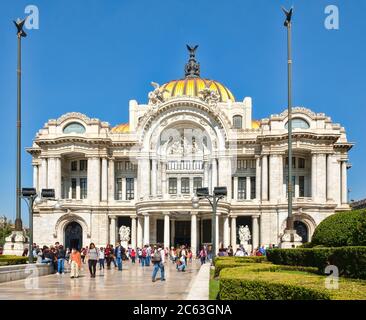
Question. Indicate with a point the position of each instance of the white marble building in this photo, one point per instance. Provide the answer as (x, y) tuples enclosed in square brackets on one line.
[(192, 133)]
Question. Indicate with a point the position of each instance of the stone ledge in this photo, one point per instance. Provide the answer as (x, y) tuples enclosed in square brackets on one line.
[(22, 271)]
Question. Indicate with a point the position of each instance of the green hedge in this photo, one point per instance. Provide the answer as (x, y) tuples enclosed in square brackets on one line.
[(246, 283), (7, 260), (342, 229), (351, 261), (232, 262)]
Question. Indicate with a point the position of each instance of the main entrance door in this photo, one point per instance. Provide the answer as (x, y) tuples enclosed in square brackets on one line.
[(302, 230), (182, 233), (73, 236)]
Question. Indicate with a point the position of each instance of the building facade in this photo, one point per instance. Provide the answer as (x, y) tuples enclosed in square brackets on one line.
[(191, 133)]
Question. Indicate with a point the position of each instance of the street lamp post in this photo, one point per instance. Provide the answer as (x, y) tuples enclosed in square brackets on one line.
[(20, 34), (31, 197), (218, 194), (287, 24)]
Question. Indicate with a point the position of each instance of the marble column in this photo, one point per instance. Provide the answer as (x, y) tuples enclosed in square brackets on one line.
[(226, 232), (166, 230), (236, 188), (264, 178), (313, 176), (172, 232), (194, 233), (104, 179), (248, 188), (153, 178), (139, 232), (321, 177), (146, 229), (344, 182), (205, 174), (214, 174), (51, 173), (58, 178), (143, 177), (225, 174), (255, 231), (94, 180), (44, 172), (329, 177), (111, 182), (133, 232), (112, 230), (257, 178), (163, 179), (35, 177), (233, 233), (275, 177)]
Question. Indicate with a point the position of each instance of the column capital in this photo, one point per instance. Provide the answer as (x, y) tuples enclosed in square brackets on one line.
[(255, 216), (234, 216), (166, 213), (194, 213), (112, 216), (133, 216)]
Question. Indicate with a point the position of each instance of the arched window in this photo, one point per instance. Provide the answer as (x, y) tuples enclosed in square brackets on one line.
[(238, 122), (74, 127), (298, 123)]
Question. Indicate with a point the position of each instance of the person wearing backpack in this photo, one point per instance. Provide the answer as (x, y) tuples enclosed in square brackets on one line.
[(156, 259)]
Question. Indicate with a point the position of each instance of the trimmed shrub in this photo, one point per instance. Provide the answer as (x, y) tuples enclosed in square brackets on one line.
[(351, 261), (245, 283), (342, 229), (11, 260)]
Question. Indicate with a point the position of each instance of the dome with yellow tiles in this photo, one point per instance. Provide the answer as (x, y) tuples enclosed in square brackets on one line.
[(192, 86)]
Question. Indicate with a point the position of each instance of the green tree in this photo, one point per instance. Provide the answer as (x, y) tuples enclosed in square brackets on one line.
[(5, 230)]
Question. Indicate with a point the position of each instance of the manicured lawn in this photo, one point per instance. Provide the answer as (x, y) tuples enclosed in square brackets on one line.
[(213, 286)]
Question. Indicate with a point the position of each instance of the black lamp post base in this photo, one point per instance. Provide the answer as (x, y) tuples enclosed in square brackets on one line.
[(18, 224)]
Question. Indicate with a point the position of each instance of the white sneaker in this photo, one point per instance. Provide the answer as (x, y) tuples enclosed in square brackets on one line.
[(57, 273)]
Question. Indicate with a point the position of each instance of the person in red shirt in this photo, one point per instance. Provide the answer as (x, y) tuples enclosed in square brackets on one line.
[(133, 255)]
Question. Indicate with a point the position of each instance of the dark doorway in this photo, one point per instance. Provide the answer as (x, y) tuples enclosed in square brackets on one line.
[(182, 233), (73, 236), (159, 231), (206, 231), (302, 230)]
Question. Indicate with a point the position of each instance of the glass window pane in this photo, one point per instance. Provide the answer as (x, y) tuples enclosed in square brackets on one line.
[(118, 195), (83, 188), (130, 189), (74, 127), (73, 188), (184, 185), (237, 122), (242, 187), (197, 183), (172, 185)]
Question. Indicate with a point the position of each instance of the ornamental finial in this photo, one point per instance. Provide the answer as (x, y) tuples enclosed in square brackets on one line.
[(192, 68)]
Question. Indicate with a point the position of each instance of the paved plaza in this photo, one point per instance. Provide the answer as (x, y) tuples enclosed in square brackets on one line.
[(133, 283)]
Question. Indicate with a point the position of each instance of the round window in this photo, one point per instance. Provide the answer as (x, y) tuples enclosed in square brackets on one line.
[(74, 127)]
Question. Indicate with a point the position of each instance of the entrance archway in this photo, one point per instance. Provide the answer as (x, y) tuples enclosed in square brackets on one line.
[(73, 235), (302, 230)]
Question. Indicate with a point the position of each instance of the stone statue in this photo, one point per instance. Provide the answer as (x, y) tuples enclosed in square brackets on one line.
[(124, 234), (244, 235), (208, 95), (157, 95)]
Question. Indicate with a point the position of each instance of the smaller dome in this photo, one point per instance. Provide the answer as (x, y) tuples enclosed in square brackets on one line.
[(256, 124), (121, 128)]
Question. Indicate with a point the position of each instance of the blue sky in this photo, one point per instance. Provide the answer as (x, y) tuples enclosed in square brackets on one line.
[(94, 56)]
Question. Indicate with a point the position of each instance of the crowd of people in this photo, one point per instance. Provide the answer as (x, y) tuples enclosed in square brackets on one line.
[(104, 257)]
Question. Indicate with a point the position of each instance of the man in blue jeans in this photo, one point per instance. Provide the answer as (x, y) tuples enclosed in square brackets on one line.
[(61, 253), (158, 264), (118, 254)]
